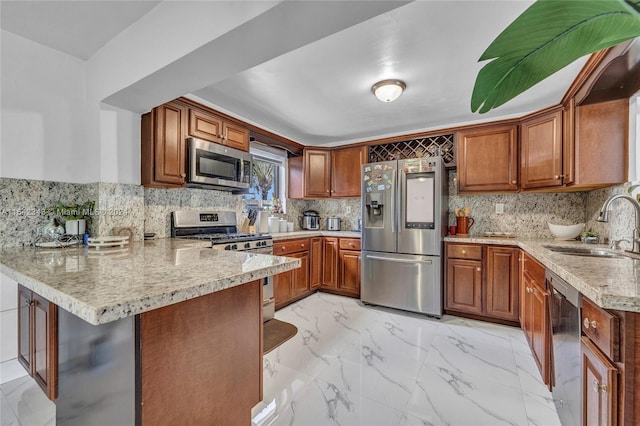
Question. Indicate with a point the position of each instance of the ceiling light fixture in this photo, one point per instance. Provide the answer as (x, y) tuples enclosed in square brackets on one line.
[(388, 90)]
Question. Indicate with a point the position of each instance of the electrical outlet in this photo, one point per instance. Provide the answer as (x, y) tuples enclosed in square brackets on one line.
[(499, 208), (347, 209)]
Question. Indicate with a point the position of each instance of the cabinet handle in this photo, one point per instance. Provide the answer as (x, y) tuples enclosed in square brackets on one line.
[(514, 182), (282, 248), (587, 323), (464, 252), (327, 190), (597, 387), (184, 175), (29, 303), (556, 177), (302, 245), (478, 269)]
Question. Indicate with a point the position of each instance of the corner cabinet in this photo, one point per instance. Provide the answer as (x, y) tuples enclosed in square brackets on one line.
[(482, 282), (487, 159), (38, 339), (327, 173)]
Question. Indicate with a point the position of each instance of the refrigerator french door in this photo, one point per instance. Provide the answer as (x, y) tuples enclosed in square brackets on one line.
[(404, 207)]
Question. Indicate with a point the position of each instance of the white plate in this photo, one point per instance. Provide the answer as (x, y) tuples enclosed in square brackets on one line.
[(109, 239)]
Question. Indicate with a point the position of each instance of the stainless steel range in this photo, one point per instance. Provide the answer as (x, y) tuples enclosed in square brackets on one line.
[(220, 228)]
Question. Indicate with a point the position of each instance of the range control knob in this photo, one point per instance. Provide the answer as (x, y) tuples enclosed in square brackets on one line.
[(247, 245), (234, 247), (227, 247)]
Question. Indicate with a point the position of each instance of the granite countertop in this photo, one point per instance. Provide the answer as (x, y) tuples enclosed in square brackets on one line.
[(307, 234), (612, 283), (105, 285)]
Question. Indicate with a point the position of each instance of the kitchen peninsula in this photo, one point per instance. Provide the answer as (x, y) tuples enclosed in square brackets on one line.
[(160, 332)]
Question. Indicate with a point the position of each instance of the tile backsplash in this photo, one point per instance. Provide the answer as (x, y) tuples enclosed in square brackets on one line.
[(23, 203)]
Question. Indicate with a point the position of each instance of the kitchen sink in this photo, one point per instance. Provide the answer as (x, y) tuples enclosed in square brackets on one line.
[(578, 251)]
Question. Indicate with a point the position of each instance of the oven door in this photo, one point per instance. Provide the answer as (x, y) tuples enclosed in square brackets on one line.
[(213, 165)]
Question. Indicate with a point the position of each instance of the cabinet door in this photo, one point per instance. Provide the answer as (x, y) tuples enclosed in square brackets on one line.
[(205, 126), (488, 160), (502, 283), (170, 148), (330, 262), (540, 331), (45, 359), (317, 173), (315, 276), (235, 136), (24, 328), (345, 171), (464, 286), (599, 387), (349, 280), (300, 283), (541, 151), (282, 288)]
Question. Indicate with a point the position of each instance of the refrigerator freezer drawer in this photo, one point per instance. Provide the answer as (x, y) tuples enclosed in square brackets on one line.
[(407, 282)]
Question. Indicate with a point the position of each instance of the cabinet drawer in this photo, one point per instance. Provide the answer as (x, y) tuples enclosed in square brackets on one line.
[(291, 246), (602, 328), (463, 251), (533, 269), (349, 243)]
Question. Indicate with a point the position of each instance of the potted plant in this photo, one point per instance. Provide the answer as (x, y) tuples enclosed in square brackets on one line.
[(75, 215)]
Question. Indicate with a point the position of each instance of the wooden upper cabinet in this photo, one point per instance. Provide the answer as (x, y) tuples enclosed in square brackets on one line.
[(568, 145), (487, 159), (317, 173), (541, 151), (163, 146), (235, 136), (205, 126), (345, 171), (601, 144)]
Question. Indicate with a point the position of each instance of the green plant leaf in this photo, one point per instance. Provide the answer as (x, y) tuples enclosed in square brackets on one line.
[(548, 36)]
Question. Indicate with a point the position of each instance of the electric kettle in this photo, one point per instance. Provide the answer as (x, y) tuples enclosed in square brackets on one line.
[(310, 220)]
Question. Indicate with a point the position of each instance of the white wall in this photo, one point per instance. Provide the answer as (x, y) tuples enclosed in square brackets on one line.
[(10, 369), (43, 107), (119, 145)]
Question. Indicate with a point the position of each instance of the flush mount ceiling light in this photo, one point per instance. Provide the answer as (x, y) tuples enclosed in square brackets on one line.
[(388, 90)]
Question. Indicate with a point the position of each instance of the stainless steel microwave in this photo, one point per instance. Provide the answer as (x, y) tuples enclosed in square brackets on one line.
[(214, 166)]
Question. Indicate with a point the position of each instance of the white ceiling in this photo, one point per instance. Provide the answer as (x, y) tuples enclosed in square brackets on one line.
[(319, 93)]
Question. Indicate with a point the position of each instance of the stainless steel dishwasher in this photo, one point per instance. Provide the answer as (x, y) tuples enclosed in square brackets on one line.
[(565, 306)]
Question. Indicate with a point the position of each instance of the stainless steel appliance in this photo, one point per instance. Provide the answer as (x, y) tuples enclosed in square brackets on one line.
[(310, 220), (214, 166), (565, 324), (404, 218), (333, 223), (221, 229)]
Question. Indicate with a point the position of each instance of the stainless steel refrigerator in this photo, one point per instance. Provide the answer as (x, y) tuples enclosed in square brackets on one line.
[(404, 218)]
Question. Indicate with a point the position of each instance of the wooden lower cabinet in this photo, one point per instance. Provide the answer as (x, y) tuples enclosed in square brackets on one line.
[(599, 386), (292, 285), (464, 286), (330, 266), (482, 281), (38, 339), (350, 272), (536, 322), (300, 282), (315, 276)]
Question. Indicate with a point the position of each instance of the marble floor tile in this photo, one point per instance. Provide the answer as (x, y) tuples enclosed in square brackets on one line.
[(28, 402), (7, 417)]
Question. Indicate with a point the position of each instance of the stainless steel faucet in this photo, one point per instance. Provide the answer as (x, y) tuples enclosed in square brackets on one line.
[(603, 216)]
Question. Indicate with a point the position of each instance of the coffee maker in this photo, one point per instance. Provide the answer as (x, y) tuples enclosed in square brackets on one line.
[(310, 220)]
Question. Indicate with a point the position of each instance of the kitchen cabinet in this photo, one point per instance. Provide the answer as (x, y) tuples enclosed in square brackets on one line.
[(163, 140), (502, 283), (292, 285), (599, 386), (38, 339), (541, 150), (164, 150), (487, 159), (482, 282), (315, 275), (345, 171), (330, 261), (350, 272), (209, 127), (325, 174), (535, 315)]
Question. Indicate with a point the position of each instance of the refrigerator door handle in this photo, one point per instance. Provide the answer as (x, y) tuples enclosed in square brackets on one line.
[(390, 259), (393, 210)]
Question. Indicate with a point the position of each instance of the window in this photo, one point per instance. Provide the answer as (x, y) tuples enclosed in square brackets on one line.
[(267, 178)]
